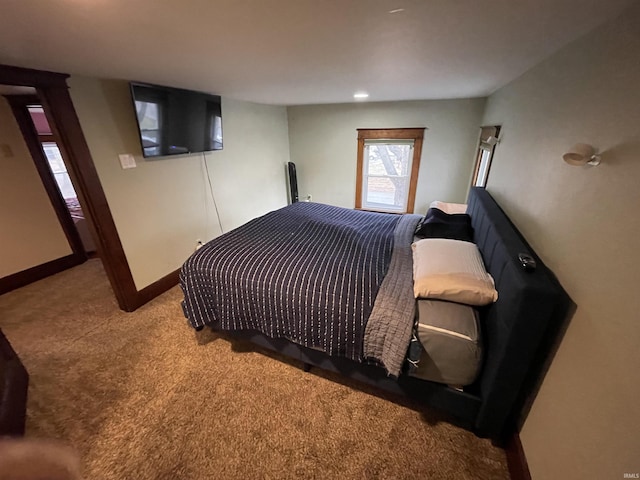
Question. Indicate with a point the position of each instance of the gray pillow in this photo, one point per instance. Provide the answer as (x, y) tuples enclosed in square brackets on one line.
[(452, 346)]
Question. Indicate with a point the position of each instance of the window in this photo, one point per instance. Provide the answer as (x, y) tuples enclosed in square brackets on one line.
[(59, 170), (51, 151), (488, 142), (388, 163)]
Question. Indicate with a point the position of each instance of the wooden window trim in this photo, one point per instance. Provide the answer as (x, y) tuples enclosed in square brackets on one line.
[(415, 134)]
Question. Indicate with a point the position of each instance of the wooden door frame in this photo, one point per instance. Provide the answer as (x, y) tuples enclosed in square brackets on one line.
[(53, 93)]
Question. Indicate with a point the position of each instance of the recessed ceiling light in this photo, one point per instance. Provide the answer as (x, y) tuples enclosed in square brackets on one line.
[(396, 10), (360, 95)]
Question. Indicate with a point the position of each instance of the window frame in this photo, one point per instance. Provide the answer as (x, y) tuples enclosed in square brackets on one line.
[(485, 132), (415, 134)]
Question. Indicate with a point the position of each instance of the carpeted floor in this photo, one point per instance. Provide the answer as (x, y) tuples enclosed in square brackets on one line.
[(141, 395)]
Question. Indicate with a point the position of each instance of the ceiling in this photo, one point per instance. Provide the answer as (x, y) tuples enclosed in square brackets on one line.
[(292, 52)]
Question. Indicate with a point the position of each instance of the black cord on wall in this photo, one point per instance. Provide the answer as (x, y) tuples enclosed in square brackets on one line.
[(206, 167)]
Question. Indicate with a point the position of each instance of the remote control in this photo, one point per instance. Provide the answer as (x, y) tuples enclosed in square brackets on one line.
[(527, 262)]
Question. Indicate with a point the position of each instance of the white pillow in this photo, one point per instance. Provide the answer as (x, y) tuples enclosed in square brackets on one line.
[(451, 270)]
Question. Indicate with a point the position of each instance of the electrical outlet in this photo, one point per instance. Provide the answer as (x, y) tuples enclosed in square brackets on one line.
[(199, 245), (308, 199)]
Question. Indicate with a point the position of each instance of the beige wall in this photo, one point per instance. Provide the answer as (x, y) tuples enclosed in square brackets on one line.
[(30, 233), (323, 143), (163, 206), (584, 222)]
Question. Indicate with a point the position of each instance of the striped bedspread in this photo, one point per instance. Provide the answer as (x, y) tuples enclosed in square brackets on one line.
[(307, 272)]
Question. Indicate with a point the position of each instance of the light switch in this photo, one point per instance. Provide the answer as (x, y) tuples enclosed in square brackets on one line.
[(127, 160)]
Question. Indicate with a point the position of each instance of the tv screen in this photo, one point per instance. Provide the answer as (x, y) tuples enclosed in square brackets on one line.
[(172, 121)]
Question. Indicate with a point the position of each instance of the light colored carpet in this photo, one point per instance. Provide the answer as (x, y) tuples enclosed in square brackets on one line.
[(141, 395)]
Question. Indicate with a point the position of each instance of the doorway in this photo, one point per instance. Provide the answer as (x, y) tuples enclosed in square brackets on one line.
[(52, 91), (48, 157), (58, 170)]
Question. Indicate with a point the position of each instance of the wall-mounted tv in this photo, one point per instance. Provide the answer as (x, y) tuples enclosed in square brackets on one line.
[(172, 121)]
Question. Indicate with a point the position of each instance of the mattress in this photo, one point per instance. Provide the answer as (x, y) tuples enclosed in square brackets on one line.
[(451, 342)]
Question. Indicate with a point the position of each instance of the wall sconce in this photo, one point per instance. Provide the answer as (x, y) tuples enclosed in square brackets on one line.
[(581, 154)]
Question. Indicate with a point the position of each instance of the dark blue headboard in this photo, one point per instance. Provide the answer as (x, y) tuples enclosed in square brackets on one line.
[(514, 327)]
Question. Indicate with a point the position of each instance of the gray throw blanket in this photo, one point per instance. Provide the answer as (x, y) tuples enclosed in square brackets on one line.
[(390, 324)]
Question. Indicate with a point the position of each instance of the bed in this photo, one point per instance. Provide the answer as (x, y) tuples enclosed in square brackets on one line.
[(286, 282)]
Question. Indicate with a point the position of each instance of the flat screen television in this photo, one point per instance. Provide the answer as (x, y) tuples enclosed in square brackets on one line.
[(172, 121)]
